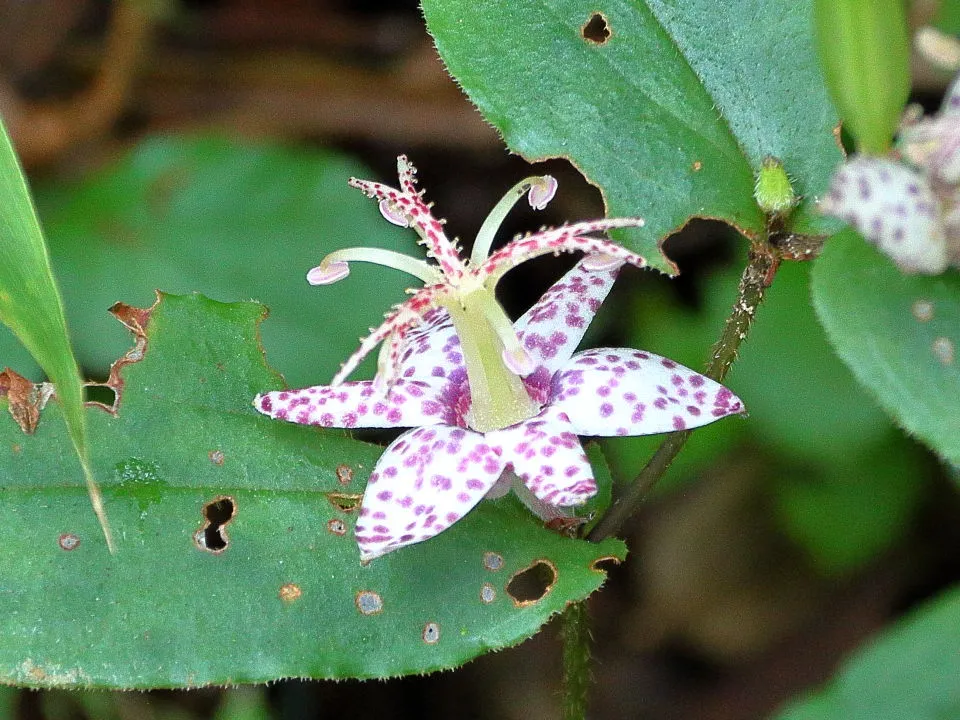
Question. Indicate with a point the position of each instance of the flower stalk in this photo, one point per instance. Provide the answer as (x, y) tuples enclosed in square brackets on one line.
[(575, 634)]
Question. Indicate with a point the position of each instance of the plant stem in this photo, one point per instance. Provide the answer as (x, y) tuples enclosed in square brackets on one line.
[(575, 634), (757, 276)]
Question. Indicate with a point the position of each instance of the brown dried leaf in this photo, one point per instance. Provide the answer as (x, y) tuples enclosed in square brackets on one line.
[(25, 399)]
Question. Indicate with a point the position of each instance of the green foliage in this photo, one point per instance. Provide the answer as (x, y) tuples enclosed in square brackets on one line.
[(642, 98), (283, 596), (910, 672), (232, 220), (846, 512), (898, 334), (866, 61)]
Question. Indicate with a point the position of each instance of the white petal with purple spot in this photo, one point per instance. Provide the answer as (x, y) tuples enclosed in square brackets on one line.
[(432, 349), (546, 453), (620, 391), (551, 330), (357, 404), (893, 207), (424, 482)]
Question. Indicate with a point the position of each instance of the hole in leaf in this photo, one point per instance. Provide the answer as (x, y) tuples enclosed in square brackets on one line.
[(337, 527), (596, 30), (604, 564), (431, 633), (103, 395), (531, 585), (218, 513), (344, 502), (492, 561), (216, 457), (68, 541), (344, 474)]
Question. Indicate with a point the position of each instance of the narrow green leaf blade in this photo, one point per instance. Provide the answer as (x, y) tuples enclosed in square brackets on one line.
[(31, 306), (899, 335), (285, 595), (669, 107)]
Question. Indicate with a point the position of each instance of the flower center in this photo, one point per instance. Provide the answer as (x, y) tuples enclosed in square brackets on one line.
[(499, 397)]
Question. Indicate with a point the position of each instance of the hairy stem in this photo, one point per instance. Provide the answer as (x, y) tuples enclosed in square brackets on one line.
[(575, 634), (756, 277)]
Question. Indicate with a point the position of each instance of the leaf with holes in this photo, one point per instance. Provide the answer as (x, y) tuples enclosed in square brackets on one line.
[(236, 560), (670, 108), (910, 672), (899, 334)]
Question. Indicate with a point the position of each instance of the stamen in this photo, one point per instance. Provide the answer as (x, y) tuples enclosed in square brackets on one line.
[(541, 190), (393, 214), (518, 361), (378, 256), (327, 273), (542, 193), (601, 261)]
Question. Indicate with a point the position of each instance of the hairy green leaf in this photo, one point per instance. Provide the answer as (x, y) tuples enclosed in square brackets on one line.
[(910, 672), (670, 108), (899, 335), (236, 560)]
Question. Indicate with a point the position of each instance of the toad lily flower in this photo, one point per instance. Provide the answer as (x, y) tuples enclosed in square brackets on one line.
[(432, 475)]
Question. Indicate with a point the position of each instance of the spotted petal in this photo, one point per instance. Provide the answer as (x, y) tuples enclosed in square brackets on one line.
[(892, 206), (432, 348), (620, 391), (409, 403), (546, 453), (551, 330), (424, 482)]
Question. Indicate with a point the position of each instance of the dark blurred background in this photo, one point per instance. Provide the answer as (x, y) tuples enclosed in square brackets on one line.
[(205, 146)]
